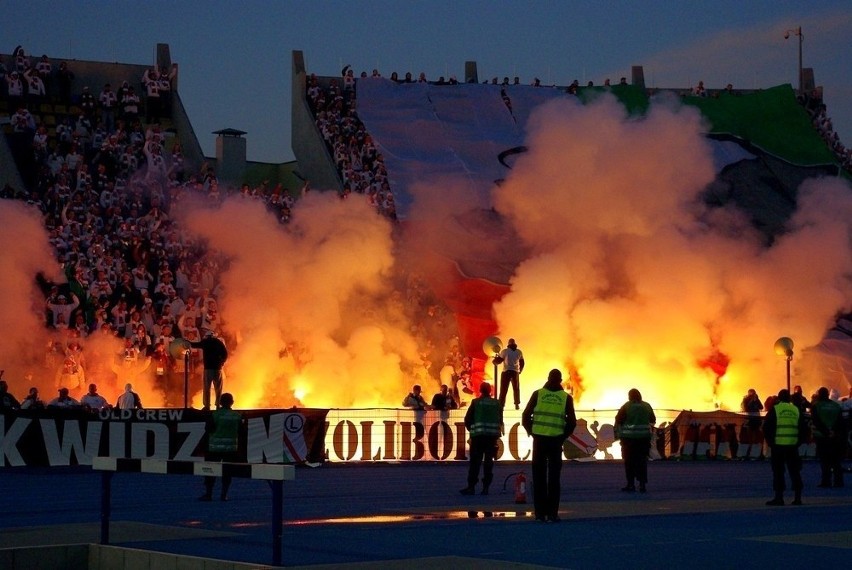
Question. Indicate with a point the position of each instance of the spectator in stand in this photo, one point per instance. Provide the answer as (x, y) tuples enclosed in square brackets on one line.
[(44, 69), (443, 402), (94, 401), (152, 96), (88, 104), (415, 401), (36, 92), (108, 103), (128, 400), (23, 122), (22, 60), (752, 406), (70, 375), (63, 401), (164, 88), (65, 80), (770, 401), (7, 400), (799, 400), (15, 90), (32, 401), (59, 308)]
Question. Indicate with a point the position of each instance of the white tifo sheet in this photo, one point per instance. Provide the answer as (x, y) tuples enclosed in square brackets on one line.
[(426, 132)]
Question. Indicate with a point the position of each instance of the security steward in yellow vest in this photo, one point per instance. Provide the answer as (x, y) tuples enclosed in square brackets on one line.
[(484, 422), (784, 428), (634, 424), (223, 431), (549, 417)]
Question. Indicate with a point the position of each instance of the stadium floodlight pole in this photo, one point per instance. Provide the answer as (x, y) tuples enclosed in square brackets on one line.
[(798, 32), (784, 347)]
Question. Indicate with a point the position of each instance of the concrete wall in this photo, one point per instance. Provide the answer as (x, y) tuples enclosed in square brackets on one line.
[(315, 162), (8, 169), (95, 74)]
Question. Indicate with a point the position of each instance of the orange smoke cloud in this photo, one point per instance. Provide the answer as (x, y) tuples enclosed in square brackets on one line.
[(26, 253), (310, 304), (633, 281)]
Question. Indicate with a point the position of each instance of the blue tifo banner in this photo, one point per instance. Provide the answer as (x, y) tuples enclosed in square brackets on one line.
[(73, 437)]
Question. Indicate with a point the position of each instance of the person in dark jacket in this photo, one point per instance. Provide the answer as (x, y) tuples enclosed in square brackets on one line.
[(223, 436), (830, 436), (549, 418), (634, 426), (484, 422), (214, 355), (7, 400)]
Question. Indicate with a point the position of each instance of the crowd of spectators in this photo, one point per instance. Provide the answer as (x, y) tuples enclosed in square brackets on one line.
[(107, 180), (105, 183), (359, 164), (823, 124)]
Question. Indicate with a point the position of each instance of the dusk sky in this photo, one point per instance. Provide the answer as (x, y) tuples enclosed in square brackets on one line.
[(235, 56)]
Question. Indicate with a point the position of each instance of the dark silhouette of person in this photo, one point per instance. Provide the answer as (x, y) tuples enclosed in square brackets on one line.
[(784, 428), (214, 355), (484, 422), (549, 417), (830, 436), (223, 435), (634, 426), (513, 364)]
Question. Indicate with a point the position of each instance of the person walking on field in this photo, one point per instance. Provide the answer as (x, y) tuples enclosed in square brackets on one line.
[(634, 425), (784, 428), (223, 430), (484, 421), (513, 364), (549, 417)]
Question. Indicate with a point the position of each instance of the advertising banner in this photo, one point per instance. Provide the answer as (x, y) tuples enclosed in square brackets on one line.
[(73, 437)]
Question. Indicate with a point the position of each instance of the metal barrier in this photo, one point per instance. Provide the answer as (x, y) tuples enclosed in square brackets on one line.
[(276, 474)]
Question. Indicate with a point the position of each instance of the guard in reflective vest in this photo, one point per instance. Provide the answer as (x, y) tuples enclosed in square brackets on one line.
[(484, 421), (549, 417), (634, 426), (784, 427), (222, 442)]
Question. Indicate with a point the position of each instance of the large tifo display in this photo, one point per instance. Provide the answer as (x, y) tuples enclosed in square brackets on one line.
[(74, 437)]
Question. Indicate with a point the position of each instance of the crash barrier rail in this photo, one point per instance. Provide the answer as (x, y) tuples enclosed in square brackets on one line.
[(276, 474)]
